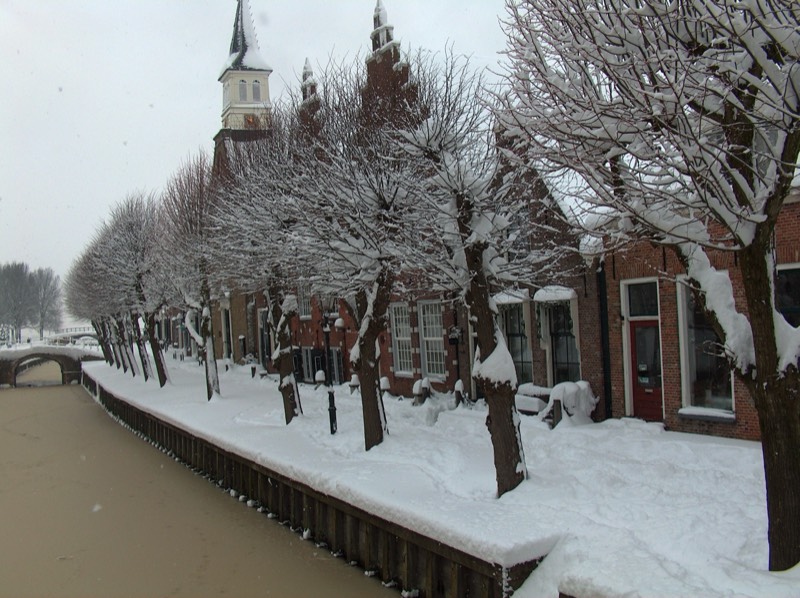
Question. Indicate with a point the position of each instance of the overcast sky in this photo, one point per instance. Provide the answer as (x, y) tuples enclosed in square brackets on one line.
[(105, 97)]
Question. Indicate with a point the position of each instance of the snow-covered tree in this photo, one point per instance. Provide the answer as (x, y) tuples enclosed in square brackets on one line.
[(132, 269), (47, 299), (252, 238), (88, 297), (339, 195), (681, 120), (477, 234), (16, 297), (186, 207)]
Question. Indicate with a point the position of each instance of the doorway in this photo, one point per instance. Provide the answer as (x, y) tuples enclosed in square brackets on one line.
[(646, 370)]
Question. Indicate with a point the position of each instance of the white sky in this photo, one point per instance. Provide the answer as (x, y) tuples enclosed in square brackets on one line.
[(102, 98)]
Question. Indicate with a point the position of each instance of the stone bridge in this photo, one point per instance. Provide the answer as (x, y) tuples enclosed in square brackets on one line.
[(69, 359)]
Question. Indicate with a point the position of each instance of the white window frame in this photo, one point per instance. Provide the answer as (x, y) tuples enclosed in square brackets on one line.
[(256, 89), (546, 341), (308, 364), (242, 90), (303, 303), (433, 342), (402, 346), (682, 289)]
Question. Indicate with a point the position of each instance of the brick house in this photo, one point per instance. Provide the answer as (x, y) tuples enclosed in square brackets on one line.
[(662, 347)]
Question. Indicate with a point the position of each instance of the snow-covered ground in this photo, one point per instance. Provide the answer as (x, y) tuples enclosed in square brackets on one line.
[(621, 508)]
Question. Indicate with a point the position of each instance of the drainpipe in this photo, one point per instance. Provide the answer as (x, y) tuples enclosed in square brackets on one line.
[(602, 295)]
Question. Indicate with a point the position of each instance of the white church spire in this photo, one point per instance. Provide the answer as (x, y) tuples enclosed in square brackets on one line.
[(383, 33), (245, 77)]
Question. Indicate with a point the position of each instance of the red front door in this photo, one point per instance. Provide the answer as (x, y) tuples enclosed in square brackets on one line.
[(646, 370)]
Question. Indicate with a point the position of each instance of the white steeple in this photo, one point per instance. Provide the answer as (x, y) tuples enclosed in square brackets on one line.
[(383, 33), (245, 76)]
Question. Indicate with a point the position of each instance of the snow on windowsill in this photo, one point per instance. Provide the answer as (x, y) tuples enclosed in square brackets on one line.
[(707, 413)]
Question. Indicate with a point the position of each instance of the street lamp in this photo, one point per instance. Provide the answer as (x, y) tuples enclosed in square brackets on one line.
[(330, 318), (326, 331)]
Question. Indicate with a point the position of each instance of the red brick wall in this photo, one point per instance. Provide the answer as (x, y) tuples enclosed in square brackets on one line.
[(644, 260)]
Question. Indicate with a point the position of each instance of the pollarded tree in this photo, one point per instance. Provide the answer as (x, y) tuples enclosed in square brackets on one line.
[(350, 207), (186, 207), (79, 301), (47, 300), (251, 242), (478, 240), (86, 297), (132, 269), (683, 118)]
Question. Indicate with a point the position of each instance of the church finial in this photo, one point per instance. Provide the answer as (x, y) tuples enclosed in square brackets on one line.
[(244, 53), (383, 33), (309, 84), (379, 18)]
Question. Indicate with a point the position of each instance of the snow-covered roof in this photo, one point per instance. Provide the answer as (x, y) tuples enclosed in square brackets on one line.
[(244, 53), (511, 297), (553, 293)]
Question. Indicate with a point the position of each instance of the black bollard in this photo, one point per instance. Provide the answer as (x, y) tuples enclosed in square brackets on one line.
[(332, 411)]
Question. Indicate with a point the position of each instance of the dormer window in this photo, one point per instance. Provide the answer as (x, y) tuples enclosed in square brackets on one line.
[(242, 90), (256, 91)]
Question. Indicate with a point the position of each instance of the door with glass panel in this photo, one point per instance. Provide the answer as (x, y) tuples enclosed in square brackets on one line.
[(645, 351)]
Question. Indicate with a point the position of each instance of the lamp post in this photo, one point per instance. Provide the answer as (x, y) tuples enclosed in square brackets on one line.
[(326, 331)]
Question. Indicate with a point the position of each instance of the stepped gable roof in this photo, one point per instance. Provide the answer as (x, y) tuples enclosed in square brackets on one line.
[(244, 52)]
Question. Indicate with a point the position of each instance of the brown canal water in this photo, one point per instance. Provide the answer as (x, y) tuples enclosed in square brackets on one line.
[(88, 509)]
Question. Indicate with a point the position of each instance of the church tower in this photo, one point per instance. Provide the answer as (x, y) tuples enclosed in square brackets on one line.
[(245, 77), (387, 87)]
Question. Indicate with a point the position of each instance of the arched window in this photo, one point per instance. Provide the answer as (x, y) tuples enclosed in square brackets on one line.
[(256, 91), (242, 90)]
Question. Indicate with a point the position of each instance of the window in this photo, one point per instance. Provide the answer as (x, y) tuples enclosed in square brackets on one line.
[(242, 90), (312, 361), (517, 341), (787, 294), (304, 303), (264, 338), (566, 361), (227, 337), (432, 340), (707, 377), (337, 366), (401, 339), (256, 91), (643, 299)]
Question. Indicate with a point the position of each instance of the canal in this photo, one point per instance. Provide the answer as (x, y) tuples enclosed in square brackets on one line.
[(88, 509)]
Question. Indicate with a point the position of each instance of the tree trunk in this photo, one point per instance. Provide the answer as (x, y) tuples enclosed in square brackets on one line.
[(367, 364), (283, 359), (207, 351), (127, 343), (144, 358), (155, 347), (113, 343), (777, 399), (503, 419), (778, 405), (103, 342), (121, 345)]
